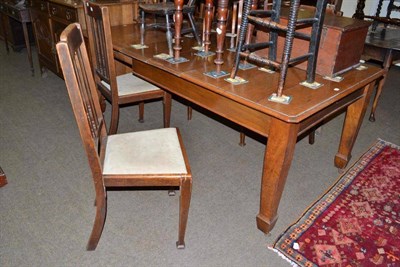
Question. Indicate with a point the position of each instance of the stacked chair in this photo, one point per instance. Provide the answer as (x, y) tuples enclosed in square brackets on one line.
[(166, 9), (270, 19)]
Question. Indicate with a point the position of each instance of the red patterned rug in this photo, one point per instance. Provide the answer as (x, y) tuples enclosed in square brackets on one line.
[(356, 222)]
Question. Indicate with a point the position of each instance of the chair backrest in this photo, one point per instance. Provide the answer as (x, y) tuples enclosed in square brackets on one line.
[(190, 2), (100, 43), (389, 9), (82, 92)]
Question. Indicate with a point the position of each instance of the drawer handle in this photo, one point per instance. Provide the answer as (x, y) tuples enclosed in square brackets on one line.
[(54, 11), (42, 6), (68, 15)]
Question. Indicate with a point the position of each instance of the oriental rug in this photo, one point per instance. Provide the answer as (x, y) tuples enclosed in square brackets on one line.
[(356, 222)]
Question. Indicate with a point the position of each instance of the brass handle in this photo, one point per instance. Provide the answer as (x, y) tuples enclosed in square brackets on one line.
[(54, 11), (68, 15)]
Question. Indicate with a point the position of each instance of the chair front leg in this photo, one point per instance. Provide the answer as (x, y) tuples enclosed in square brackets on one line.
[(186, 193), (101, 212)]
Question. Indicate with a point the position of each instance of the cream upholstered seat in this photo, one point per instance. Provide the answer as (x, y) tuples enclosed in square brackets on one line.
[(154, 158), (130, 84), (146, 152), (118, 90)]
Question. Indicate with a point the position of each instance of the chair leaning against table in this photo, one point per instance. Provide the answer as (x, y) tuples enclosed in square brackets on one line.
[(122, 89), (154, 158)]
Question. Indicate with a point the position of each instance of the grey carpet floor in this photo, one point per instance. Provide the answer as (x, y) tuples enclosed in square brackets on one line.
[(46, 210)]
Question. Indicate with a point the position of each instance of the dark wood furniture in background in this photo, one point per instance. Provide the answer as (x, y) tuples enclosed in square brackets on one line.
[(248, 106), (382, 43), (50, 17), (153, 158), (15, 16)]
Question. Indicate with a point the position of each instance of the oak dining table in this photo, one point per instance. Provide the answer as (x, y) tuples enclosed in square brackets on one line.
[(247, 104)]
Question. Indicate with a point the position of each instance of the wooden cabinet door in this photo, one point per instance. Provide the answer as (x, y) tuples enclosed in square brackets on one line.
[(44, 40)]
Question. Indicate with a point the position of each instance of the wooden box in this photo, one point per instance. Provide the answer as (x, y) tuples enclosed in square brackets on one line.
[(341, 45)]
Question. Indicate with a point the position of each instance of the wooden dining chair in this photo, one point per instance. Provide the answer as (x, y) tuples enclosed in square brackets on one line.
[(122, 89), (154, 158), (167, 9)]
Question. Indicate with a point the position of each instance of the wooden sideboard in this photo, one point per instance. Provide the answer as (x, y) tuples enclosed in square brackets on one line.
[(51, 17), (15, 27), (11, 16)]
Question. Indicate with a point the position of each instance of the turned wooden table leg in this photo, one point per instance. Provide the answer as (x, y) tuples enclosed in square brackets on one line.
[(207, 25), (282, 138), (221, 32), (359, 10), (352, 123), (178, 27), (3, 178)]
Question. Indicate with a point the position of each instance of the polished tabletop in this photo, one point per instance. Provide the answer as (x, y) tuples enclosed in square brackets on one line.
[(260, 84)]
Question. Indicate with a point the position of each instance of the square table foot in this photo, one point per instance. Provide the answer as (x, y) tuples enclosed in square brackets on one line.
[(313, 85), (216, 74), (246, 66), (173, 60), (284, 99), (236, 81), (204, 54), (139, 46)]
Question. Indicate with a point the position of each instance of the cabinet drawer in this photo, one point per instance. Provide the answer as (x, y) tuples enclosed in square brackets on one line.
[(39, 5), (62, 12)]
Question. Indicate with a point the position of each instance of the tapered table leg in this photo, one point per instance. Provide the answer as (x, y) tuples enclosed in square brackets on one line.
[(352, 123), (282, 138), (387, 62)]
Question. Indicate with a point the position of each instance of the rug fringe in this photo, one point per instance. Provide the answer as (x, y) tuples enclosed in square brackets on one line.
[(284, 257), (388, 143)]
